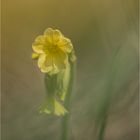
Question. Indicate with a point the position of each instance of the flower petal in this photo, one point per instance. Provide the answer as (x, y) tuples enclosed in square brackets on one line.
[(40, 40), (45, 63), (38, 48), (49, 35), (60, 59), (38, 45), (41, 60), (52, 36), (65, 45), (56, 36)]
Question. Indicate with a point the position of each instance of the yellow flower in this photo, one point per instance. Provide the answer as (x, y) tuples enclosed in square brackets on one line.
[(52, 50)]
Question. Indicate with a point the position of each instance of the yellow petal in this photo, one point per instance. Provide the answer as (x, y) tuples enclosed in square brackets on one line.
[(45, 63), (60, 59), (38, 45), (38, 48), (40, 40), (45, 69), (49, 35), (41, 60), (52, 36), (56, 36), (65, 45)]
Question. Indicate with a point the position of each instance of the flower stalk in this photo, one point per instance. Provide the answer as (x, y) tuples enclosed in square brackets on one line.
[(67, 103)]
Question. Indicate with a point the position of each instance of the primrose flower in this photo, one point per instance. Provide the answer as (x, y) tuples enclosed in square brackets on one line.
[(52, 49), (56, 59)]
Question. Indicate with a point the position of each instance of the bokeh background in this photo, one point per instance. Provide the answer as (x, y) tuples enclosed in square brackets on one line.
[(105, 36)]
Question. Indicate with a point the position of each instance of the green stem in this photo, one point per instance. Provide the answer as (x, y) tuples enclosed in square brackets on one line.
[(102, 128), (65, 119)]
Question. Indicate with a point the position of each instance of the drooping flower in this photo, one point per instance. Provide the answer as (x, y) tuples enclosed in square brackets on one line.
[(52, 50), (56, 58)]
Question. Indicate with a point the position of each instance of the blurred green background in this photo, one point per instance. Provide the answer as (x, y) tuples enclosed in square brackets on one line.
[(105, 37)]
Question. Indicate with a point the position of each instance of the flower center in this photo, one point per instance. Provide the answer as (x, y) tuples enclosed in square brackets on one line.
[(51, 48)]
